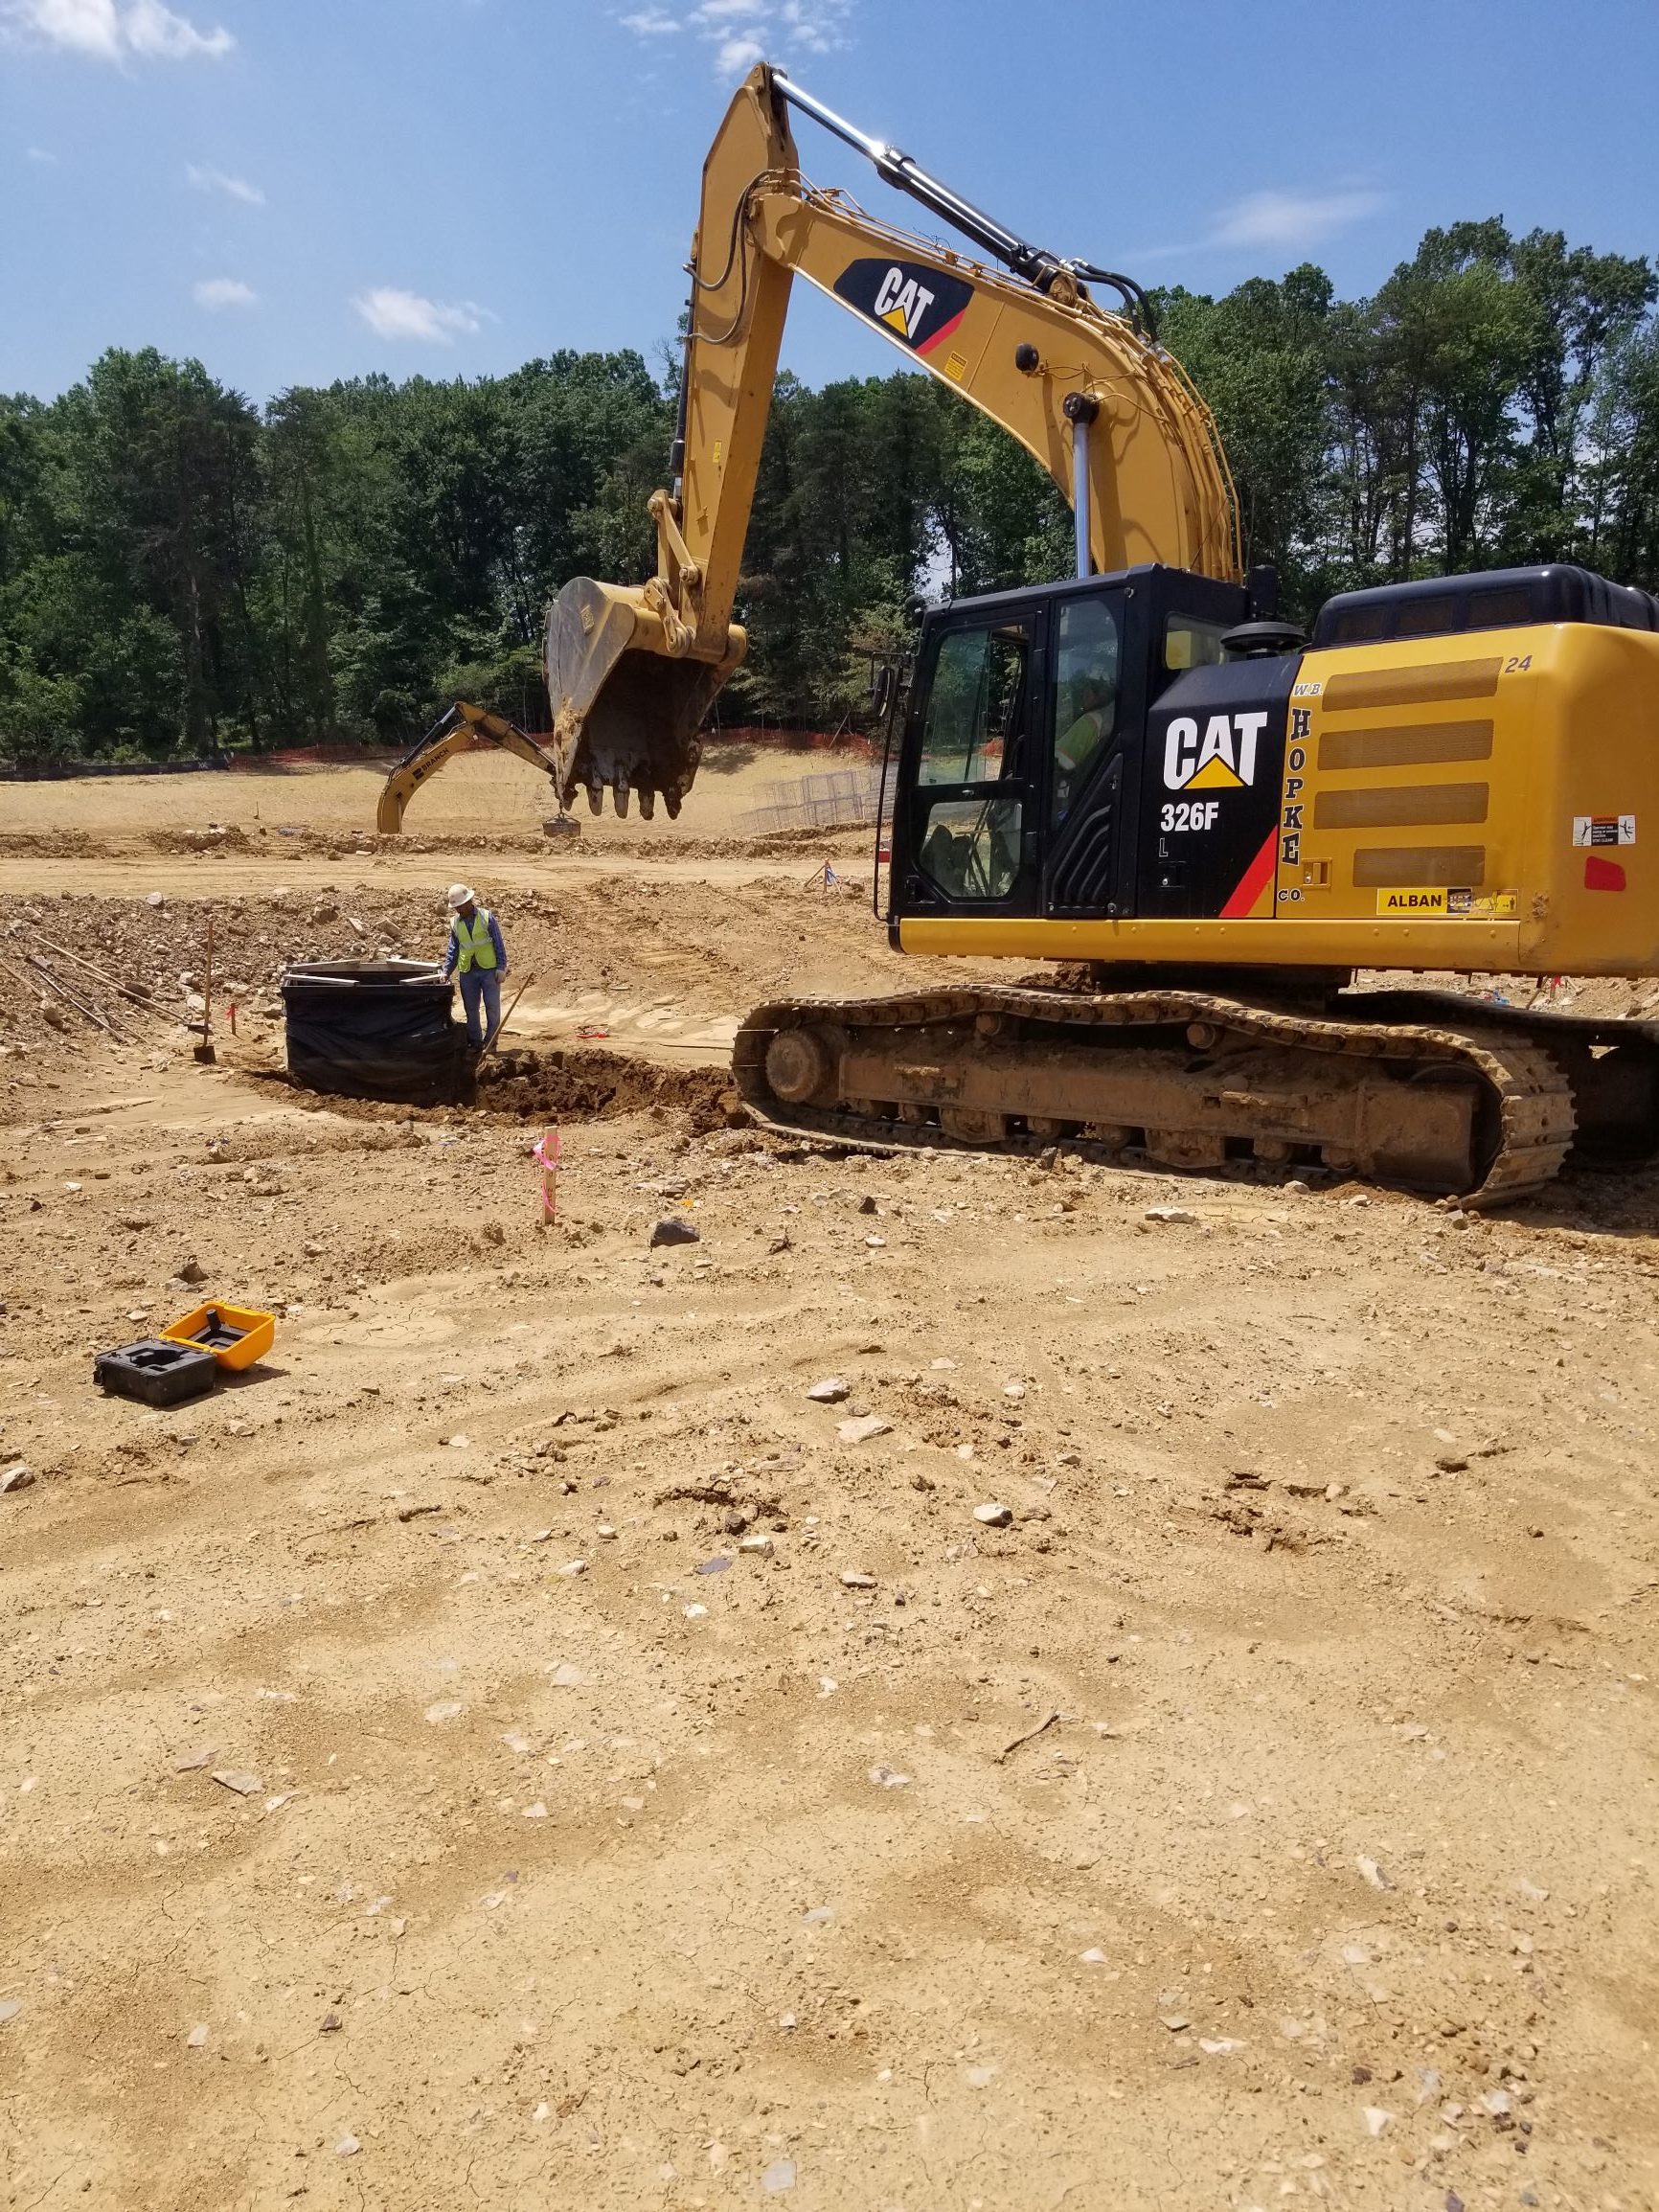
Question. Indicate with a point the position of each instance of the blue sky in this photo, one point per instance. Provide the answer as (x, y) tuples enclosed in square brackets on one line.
[(299, 189)]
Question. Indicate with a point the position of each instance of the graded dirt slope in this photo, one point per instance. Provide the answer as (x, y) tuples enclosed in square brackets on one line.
[(478, 794), (1261, 1809)]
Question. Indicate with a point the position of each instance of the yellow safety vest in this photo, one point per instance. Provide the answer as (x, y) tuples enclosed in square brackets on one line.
[(477, 947)]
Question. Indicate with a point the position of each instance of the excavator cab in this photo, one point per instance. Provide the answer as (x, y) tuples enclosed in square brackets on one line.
[(1025, 788)]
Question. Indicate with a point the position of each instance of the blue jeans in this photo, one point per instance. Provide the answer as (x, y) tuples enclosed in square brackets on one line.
[(481, 996)]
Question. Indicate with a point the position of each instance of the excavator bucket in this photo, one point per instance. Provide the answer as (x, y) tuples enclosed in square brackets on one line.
[(626, 707)]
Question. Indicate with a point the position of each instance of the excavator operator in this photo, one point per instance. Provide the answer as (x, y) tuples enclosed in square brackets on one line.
[(1095, 703)]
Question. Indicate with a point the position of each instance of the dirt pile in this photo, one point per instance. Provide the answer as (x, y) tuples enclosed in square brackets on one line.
[(729, 946), (593, 1085)]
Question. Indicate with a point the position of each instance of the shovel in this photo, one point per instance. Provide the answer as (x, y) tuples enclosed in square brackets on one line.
[(204, 1052), (488, 1045)]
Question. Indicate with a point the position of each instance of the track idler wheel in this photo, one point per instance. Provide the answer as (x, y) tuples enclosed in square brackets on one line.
[(797, 1065)]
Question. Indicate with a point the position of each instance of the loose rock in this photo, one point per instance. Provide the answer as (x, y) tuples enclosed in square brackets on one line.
[(863, 1428), (993, 1515), (675, 1229)]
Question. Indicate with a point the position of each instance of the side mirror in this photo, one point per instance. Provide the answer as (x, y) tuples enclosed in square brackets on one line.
[(881, 692), (915, 607)]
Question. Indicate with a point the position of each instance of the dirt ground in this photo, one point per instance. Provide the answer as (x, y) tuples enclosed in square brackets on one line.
[(483, 794), (517, 1747)]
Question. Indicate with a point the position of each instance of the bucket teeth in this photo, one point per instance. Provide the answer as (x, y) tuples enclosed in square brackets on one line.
[(626, 706)]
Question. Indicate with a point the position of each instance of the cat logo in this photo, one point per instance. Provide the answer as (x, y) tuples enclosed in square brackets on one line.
[(1223, 759), (915, 304), (902, 303)]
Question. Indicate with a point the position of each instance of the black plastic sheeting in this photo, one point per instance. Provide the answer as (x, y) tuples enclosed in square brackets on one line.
[(374, 1029)]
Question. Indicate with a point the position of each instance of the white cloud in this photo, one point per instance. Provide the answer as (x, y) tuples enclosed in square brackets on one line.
[(233, 186), (391, 313), (738, 55), (216, 293), (743, 32), (154, 30), (40, 154), (108, 31), (815, 25), (84, 26), (1292, 221)]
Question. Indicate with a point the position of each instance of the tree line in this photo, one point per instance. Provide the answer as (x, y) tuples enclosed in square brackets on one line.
[(182, 570)]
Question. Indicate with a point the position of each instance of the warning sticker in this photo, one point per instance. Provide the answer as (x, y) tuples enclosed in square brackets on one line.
[(1428, 901), (1604, 829), (1483, 906), (1461, 904)]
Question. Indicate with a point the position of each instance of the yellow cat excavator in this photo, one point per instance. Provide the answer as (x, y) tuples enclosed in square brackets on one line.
[(1141, 772)]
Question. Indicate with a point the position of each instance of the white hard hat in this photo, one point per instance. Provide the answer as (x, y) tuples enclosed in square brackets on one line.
[(460, 895)]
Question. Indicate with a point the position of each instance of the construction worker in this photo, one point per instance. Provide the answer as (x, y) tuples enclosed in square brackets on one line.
[(477, 954), (1078, 746)]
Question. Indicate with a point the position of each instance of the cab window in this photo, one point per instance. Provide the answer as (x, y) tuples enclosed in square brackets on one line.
[(974, 726), (1190, 642), (971, 848), (1088, 649)]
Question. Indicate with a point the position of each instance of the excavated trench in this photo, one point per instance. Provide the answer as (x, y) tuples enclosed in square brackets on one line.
[(579, 1083)]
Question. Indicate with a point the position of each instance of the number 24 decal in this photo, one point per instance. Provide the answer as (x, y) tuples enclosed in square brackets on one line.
[(1516, 662)]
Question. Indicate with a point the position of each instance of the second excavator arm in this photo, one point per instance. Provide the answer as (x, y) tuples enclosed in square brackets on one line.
[(1108, 414), (463, 729)]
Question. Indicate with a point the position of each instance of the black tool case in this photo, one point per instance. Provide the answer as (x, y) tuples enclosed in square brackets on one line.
[(155, 1372)]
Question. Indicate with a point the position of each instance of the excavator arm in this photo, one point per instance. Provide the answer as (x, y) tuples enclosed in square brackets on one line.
[(1090, 394), (462, 729)]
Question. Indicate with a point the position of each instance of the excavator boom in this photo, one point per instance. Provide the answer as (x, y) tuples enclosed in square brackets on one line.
[(631, 670)]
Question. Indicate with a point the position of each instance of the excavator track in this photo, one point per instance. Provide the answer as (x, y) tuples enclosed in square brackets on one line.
[(1421, 1089)]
